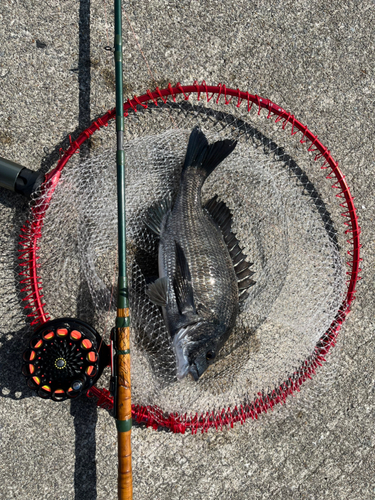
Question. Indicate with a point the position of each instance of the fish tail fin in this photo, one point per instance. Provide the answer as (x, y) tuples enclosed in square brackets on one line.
[(203, 156)]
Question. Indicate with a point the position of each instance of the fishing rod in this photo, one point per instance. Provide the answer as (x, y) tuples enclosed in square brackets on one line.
[(52, 338), (121, 385)]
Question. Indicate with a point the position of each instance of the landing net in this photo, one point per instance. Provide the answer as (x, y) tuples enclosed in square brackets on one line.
[(296, 229)]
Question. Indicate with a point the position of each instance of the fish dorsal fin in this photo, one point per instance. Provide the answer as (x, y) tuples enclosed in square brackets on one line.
[(182, 284), (157, 292), (221, 215), (223, 218), (157, 213)]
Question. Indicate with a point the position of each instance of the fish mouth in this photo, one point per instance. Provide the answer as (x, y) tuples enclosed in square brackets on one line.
[(194, 372), (181, 342)]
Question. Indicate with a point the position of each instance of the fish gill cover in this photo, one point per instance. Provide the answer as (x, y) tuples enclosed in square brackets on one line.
[(283, 216)]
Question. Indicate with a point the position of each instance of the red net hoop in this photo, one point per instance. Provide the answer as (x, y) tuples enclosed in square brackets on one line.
[(32, 232)]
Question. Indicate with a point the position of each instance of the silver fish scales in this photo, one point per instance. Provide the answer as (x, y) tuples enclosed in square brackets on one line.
[(203, 273)]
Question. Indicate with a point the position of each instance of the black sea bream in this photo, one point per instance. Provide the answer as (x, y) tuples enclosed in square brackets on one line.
[(203, 273)]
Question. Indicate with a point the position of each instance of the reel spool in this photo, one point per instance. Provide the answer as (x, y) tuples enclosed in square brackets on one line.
[(65, 358)]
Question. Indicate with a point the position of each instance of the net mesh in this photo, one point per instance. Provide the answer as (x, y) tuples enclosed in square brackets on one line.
[(285, 215)]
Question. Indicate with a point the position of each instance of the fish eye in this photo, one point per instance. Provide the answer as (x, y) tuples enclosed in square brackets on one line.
[(210, 355)]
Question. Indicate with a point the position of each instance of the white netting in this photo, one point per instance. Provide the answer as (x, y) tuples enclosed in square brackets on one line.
[(285, 217)]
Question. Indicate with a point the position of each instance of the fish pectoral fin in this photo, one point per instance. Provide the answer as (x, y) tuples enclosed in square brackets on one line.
[(188, 319), (157, 292), (182, 283), (156, 215)]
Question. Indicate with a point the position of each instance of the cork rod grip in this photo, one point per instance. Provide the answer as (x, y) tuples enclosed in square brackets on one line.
[(124, 415), (125, 479)]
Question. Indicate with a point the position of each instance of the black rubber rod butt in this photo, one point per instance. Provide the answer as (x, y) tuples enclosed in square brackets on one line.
[(18, 178)]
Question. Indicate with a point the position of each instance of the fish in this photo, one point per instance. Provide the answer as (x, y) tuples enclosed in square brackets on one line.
[(203, 273)]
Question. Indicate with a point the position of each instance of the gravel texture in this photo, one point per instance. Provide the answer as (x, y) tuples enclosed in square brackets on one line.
[(316, 59)]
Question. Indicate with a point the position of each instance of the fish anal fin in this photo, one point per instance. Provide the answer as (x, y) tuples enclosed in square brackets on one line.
[(157, 292)]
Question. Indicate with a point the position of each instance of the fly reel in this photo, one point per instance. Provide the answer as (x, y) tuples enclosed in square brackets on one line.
[(65, 358)]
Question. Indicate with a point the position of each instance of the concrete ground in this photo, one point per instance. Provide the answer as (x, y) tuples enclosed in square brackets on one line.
[(315, 59)]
